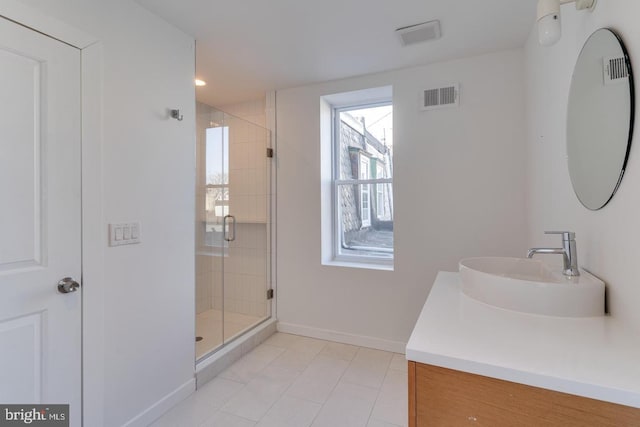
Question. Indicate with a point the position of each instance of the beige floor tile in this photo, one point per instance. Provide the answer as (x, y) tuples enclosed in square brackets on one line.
[(348, 406), (294, 381), (213, 396), (290, 412), (373, 357), (380, 423), (246, 369), (392, 403), (182, 415), (282, 340), (294, 359), (253, 401), (319, 379), (368, 368), (223, 419), (339, 351), (399, 363), (201, 405), (366, 375), (300, 353), (309, 345)]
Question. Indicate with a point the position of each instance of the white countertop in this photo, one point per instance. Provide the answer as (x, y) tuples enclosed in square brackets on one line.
[(594, 357)]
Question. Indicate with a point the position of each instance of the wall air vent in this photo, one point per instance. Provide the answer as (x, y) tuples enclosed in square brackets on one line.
[(615, 70), (441, 97), (419, 33)]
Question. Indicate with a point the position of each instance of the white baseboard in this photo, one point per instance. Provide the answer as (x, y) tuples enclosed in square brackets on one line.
[(154, 412), (342, 337)]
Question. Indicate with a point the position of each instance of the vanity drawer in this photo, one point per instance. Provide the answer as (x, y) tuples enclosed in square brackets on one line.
[(445, 397)]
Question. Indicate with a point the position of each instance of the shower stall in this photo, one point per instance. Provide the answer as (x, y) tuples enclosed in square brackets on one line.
[(233, 224)]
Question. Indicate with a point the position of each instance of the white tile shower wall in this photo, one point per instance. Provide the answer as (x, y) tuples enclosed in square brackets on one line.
[(248, 174), (245, 268), (204, 282), (245, 271)]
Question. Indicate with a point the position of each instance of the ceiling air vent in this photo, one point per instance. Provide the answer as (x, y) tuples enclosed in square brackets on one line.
[(419, 33), (615, 70), (446, 96)]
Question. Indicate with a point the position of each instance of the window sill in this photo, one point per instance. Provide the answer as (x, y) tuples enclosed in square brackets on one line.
[(358, 264)]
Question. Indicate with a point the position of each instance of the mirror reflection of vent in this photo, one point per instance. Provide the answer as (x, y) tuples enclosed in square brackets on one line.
[(442, 97), (615, 70)]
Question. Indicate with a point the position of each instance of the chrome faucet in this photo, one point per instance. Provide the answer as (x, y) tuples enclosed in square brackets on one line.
[(568, 252)]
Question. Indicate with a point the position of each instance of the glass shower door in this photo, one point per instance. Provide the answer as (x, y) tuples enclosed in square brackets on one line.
[(246, 268), (232, 229), (212, 205)]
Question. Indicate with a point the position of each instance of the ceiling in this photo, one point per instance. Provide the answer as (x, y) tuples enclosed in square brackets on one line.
[(248, 47)]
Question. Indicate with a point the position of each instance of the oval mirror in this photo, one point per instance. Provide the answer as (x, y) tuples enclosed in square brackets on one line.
[(600, 118)]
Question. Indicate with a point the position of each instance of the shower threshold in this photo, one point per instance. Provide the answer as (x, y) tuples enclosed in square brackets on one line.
[(209, 326), (213, 363)]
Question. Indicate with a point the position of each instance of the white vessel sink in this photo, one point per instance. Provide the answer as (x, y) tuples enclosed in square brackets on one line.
[(530, 286)]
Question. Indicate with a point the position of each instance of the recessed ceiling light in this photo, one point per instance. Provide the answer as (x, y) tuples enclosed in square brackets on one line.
[(200, 82)]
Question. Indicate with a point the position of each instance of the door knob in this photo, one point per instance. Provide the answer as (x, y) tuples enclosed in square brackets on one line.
[(67, 285)]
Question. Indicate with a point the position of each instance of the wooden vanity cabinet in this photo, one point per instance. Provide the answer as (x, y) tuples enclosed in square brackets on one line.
[(444, 397)]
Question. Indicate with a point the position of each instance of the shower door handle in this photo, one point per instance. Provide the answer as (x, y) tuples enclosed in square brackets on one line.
[(225, 228)]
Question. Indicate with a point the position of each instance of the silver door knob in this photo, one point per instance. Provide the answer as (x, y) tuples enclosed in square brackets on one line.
[(67, 285)]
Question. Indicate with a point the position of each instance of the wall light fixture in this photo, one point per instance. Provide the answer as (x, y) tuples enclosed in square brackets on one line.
[(549, 27)]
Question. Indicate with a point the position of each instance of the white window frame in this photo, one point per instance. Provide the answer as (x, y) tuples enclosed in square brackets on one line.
[(380, 213), (365, 191), (338, 255)]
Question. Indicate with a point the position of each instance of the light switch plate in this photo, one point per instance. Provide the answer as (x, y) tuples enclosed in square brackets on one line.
[(124, 234)]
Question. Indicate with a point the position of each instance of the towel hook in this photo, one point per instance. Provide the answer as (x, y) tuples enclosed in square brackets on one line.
[(176, 115)]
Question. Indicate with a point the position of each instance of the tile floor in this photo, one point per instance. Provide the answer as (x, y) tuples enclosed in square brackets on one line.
[(294, 381), (209, 326)]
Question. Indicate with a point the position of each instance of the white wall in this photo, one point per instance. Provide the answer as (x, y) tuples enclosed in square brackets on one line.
[(459, 179), (606, 239), (148, 176)]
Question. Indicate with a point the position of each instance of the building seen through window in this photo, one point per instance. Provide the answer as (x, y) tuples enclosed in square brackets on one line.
[(363, 182)]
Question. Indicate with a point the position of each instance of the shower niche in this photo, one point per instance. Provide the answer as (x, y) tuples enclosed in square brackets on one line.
[(233, 242)]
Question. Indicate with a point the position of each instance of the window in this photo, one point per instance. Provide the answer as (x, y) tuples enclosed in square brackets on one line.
[(365, 209), (363, 183), (217, 184), (379, 197)]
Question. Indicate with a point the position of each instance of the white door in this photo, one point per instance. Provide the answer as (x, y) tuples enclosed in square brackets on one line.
[(40, 348)]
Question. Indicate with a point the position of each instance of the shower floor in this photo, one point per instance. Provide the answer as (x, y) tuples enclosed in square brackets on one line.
[(209, 326)]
